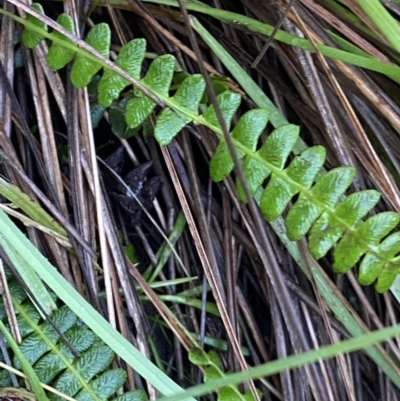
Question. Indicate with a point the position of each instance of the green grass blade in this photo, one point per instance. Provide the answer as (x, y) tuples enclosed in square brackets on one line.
[(252, 89), (391, 70), (335, 304), (23, 262), (290, 362), (31, 208), (26, 367), (119, 344), (383, 20)]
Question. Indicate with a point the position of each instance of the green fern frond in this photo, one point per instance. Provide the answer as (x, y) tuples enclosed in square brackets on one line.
[(86, 377), (320, 209)]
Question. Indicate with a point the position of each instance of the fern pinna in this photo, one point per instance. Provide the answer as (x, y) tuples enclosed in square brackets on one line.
[(321, 210), (87, 376)]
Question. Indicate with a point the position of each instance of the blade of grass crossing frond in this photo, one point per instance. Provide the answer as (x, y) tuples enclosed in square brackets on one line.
[(290, 362), (259, 97), (22, 261), (119, 344), (276, 118), (243, 79), (26, 366), (333, 301)]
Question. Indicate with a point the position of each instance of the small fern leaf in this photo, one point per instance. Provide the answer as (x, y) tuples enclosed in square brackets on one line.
[(17, 292), (300, 173), (37, 344), (328, 229), (276, 197), (134, 395), (103, 387), (5, 379), (388, 275), (275, 150), (137, 110), (325, 193), (84, 69), (230, 394), (386, 278), (248, 395), (383, 267), (158, 77), (130, 59), (50, 365), (228, 103), (31, 38), (198, 357), (94, 361), (211, 373), (354, 244), (67, 383), (304, 168), (214, 358), (170, 122), (25, 327), (246, 132), (59, 56), (90, 363)]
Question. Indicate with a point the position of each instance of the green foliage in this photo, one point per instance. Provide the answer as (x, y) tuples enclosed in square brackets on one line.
[(59, 56), (170, 122), (212, 363), (320, 208), (32, 38), (86, 377), (130, 59), (158, 77), (84, 69)]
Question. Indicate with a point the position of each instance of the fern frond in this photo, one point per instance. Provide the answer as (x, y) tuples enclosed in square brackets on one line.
[(86, 377), (320, 209)]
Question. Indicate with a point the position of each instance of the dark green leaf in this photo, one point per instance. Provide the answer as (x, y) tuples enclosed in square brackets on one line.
[(108, 383), (93, 361), (104, 386), (33, 346), (96, 114), (52, 364), (135, 395)]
